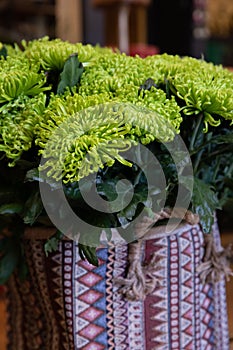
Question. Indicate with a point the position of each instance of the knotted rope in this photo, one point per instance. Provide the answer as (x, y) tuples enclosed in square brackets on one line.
[(141, 280), (216, 263)]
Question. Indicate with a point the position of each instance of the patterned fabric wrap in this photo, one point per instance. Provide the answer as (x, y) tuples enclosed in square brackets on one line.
[(69, 304)]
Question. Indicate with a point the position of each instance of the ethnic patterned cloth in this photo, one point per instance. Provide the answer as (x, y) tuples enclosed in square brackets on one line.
[(68, 303)]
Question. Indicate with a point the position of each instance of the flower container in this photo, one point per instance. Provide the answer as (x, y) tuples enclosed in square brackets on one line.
[(67, 303)]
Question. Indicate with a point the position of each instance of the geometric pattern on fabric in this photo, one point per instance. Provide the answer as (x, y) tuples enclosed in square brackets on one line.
[(90, 303), (67, 303), (180, 313), (157, 303), (128, 316), (121, 307)]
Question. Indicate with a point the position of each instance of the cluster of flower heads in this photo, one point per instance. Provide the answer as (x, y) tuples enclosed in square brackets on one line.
[(96, 136), (110, 110), (204, 87)]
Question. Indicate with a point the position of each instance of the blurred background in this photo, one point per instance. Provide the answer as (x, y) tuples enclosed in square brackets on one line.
[(199, 28), (185, 27)]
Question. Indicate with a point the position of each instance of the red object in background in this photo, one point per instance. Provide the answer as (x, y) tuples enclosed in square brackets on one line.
[(143, 50)]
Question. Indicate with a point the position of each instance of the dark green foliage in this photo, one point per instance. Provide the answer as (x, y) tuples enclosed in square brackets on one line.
[(89, 253), (204, 203), (11, 251), (71, 74), (52, 243), (3, 51)]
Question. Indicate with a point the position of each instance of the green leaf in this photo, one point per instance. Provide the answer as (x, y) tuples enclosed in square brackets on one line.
[(130, 210), (204, 203), (227, 138), (74, 190), (142, 196), (186, 181), (10, 259), (33, 208), (147, 85), (124, 196), (11, 208), (52, 243), (32, 175), (3, 51), (223, 139), (71, 74), (108, 233), (107, 189), (38, 176), (89, 253)]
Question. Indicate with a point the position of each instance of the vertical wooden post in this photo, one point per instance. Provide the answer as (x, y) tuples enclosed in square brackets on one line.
[(138, 24), (69, 20), (123, 28), (125, 22)]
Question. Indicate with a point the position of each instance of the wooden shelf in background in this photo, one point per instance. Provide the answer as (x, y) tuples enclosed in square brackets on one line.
[(125, 22), (127, 2), (37, 9), (32, 19), (68, 14)]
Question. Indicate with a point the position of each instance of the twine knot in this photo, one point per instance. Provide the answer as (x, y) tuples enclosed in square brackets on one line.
[(141, 279), (216, 263)]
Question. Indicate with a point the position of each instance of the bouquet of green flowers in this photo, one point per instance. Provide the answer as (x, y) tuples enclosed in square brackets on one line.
[(78, 119)]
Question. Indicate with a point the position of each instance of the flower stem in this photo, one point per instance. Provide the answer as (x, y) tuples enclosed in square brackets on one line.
[(195, 132)]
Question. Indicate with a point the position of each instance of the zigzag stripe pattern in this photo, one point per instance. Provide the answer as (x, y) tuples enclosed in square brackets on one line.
[(190, 244), (206, 308), (90, 303), (205, 301), (109, 296), (219, 304), (55, 267), (220, 318), (188, 299), (195, 236), (120, 305), (156, 305), (175, 293), (56, 285)]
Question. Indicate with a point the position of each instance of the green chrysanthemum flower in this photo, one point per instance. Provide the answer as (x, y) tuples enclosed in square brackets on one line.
[(17, 124), (97, 136), (52, 54), (121, 76), (16, 83), (204, 87)]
